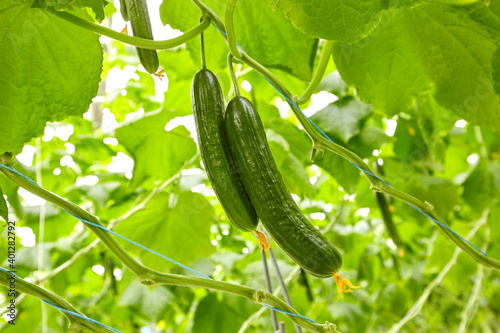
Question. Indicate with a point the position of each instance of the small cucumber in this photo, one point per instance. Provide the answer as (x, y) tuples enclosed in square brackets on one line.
[(137, 12), (274, 205), (123, 10), (208, 110)]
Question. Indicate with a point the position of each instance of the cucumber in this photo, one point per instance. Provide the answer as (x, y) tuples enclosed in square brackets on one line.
[(123, 10), (208, 110), (274, 205), (137, 12)]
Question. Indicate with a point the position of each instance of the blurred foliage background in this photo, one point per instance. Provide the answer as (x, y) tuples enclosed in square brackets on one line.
[(139, 134)]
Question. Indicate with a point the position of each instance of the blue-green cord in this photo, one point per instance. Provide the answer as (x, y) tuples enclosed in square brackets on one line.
[(357, 166), (141, 246), (64, 310)]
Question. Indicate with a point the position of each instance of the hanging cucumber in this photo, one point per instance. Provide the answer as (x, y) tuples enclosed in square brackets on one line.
[(261, 179), (137, 12), (208, 110), (123, 10)]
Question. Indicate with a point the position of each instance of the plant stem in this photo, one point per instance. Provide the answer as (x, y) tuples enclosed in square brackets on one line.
[(468, 310), (41, 226), (318, 75), (77, 324), (149, 276), (269, 287), (135, 41), (415, 309), (78, 212), (233, 75), (202, 51), (205, 10), (480, 142), (231, 37), (387, 218), (256, 296), (283, 286)]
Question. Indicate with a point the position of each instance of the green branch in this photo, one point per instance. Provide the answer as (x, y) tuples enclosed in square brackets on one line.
[(318, 75), (77, 324), (256, 296), (417, 306), (149, 276), (231, 36), (135, 41), (205, 10)]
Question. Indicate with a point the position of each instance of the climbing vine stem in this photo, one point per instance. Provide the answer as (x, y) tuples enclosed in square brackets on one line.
[(136, 41), (233, 75), (149, 276), (318, 75), (231, 37)]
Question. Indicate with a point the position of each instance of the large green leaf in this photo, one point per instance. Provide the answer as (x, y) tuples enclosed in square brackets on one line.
[(49, 70), (427, 47), (346, 174), (482, 187), (215, 316), (178, 95), (290, 167), (264, 34), (158, 154), (178, 228), (342, 118), (339, 20), (335, 20), (96, 5)]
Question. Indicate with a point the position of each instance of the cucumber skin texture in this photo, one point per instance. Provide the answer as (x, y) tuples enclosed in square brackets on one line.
[(274, 205), (137, 12), (208, 110)]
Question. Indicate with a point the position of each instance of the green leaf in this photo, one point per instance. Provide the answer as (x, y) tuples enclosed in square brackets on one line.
[(299, 143), (178, 228), (4, 211), (342, 118), (260, 30), (215, 316), (158, 154), (178, 95), (333, 83), (293, 171), (482, 187), (346, 174), (495, 65), (265, 35), (97, 6), (441, 193), (368, 140), (427, 47), (49, 69), (346, 21), (149, 300)]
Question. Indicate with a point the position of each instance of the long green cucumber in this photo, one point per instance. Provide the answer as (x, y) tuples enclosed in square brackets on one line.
[(274, 205), (123, 10), (208, 110), (137, 12)]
